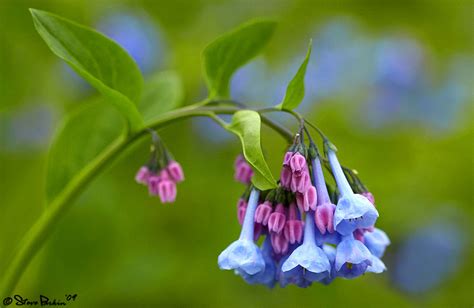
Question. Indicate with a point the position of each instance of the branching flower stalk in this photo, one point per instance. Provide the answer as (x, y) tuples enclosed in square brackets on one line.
[(40, 231), (313, 233)]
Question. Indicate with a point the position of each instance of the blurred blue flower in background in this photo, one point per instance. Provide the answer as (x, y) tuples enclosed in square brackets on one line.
[(429, 256), (398, 82), (445, 103), (341, 57), (138, 35), (28, 128)]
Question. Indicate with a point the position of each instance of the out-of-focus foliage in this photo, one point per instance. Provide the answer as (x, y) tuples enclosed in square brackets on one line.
[(388, 82)]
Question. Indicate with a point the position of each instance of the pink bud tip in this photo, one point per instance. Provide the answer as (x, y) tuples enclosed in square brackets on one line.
[(300, 182), (285, 177), (277, 220), (298, 163), (175, 171), (241, 209), (243, 173), (293, 231), (369, 196), (279, 243), (167, 191), (239, 159), (262, 213), (142, 175), (287, 159), (153, 181), (307, 200), (324, 216)]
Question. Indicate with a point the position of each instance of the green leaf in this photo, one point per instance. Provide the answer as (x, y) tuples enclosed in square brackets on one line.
[(246, 125), (83, 136), (98, 59), (295, 90), (226, 54), (162, 92)]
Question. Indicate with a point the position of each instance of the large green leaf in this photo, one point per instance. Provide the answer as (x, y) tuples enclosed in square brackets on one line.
[(246, 125), (295, 90), (83, 136), (162, 92), (99, 60), (226, 54)]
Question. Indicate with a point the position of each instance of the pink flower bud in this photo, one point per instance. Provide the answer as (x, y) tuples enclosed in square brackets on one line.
[(287, 159), (369, 196), (307, 200), (262, 213), (298, 163), (164, 175), (239, 159), (243, 173), (153, 181), (241, 209), (142, 175), (277, 219), (300, 183), (294, 226), (167, 191), (294, 231), (324, 216), (310, 198), (285, 177), (279, 243), (175, 171)]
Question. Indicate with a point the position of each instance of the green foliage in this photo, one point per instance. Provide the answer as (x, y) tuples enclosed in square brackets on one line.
[(295, 90), (84, 134), (162, 92), (99, 60), (246, 125), (226, 54)]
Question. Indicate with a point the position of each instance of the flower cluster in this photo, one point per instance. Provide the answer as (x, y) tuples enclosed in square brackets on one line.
[(310, 235), (161, 174)]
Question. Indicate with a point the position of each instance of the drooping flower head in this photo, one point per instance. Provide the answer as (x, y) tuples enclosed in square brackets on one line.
[(333, 241), (162, 173)]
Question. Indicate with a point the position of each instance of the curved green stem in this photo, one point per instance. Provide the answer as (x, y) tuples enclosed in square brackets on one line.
[(39, 232)]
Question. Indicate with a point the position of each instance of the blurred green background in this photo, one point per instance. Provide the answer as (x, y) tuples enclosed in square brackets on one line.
[(393, 93)]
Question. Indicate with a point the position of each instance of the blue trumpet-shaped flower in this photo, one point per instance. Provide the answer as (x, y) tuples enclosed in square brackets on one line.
[(377, 266), (243, 255), (308, 258), (376, 242), (352, 258), (353, 211), (268, 275), (292, 277)]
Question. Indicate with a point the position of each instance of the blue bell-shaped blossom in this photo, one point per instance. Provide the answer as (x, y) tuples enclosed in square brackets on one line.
[(243, 255)]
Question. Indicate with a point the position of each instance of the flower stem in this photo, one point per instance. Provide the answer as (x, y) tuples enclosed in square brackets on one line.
[(40, 231)]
